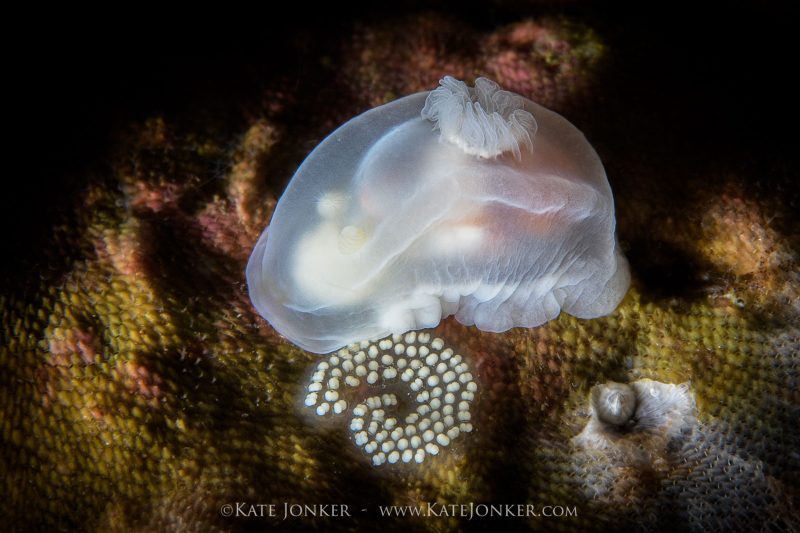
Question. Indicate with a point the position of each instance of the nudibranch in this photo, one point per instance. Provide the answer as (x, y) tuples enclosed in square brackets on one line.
[(466, 201)]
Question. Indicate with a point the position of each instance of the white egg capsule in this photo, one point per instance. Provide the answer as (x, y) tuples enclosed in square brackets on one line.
[(432, 425)]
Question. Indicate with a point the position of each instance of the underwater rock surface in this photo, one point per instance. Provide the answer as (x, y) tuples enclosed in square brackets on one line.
[(139, 389)]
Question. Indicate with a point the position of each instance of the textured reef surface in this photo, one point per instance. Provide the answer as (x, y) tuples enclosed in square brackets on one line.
[(139, 389)]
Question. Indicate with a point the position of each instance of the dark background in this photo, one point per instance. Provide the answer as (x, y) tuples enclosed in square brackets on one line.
[(704, 83)]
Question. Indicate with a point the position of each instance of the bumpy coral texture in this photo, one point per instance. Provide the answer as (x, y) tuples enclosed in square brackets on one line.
[(140, 390)]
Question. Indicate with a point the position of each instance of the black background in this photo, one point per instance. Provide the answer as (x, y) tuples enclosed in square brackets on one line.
[(710, 82)]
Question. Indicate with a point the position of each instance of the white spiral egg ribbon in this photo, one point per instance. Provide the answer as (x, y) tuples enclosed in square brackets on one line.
[(466, 201)]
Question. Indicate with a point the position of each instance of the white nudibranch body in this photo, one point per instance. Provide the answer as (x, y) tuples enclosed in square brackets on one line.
[(473, 202)]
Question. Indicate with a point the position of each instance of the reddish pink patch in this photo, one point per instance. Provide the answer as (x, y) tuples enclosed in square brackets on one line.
[(222, 228), (526, 33), (85, 343), (155, 198), (140, 380), (77, 342)]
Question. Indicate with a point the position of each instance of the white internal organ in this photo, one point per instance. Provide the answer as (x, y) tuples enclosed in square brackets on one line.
[(459, 238), (326, 270), (439, 382), (351, 239), (323, 265)]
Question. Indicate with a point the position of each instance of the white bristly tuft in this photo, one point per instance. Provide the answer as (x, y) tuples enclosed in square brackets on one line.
[(484, 120)]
